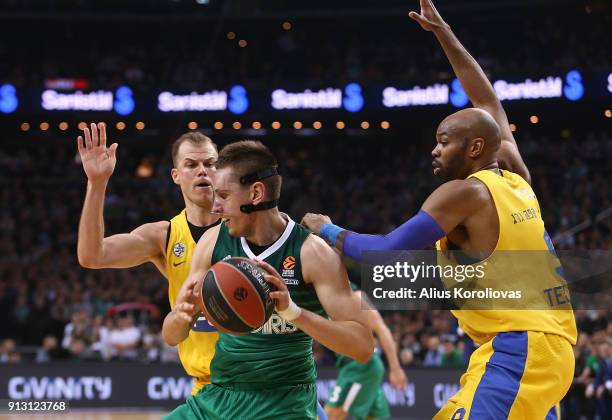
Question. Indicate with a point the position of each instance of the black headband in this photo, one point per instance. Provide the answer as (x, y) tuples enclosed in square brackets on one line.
[(259, 175)]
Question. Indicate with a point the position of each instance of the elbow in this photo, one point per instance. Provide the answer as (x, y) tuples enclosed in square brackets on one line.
[(169, 340), (86, 261), (364, 352), (364, 355)]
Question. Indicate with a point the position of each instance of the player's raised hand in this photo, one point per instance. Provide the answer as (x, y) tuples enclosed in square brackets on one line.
[(97, 159), (313, 222), (429, 18), (398, 379)]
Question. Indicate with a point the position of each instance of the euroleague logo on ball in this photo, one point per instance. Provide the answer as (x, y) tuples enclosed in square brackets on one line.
[(240, 293)]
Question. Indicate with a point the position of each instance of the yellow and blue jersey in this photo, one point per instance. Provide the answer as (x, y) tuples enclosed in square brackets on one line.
[(523, 259), (525, 363), (198, 349)]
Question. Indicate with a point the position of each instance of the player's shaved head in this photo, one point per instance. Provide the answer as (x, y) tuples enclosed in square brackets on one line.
[(467, 141), (472, 123)]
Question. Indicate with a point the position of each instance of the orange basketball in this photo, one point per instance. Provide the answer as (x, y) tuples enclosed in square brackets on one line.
[(235, 296)]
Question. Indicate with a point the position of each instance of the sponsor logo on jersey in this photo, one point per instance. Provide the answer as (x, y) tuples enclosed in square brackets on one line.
[(288, 273), (179, 249), (276, 325), (289, 263)]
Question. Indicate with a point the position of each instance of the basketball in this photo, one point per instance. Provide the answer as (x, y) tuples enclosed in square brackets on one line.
[(235, 296)]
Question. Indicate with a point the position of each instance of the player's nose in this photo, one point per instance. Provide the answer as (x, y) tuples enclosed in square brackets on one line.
[(217, 206), (436, 151)]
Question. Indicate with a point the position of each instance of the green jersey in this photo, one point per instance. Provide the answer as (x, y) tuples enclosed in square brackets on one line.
[(277, 352)]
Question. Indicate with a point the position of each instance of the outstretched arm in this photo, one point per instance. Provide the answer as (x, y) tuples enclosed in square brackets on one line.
[(446, 208), (347, 332), (144, 244), (475, 83)]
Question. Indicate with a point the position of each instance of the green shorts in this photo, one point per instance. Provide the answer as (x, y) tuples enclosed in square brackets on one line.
[(221, 402), (358, 390)]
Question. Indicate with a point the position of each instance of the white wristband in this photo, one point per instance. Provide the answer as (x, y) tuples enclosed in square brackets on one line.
[(292, 312)]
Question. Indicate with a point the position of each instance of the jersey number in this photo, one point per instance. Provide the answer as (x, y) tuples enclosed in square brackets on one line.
[(335, 394)]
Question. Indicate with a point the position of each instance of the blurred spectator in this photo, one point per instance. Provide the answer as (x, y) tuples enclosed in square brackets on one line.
[(452, 357), (79, 334), (406, 357), (601, 388), (433, 357), (50, 350), (152, 343), (124, 338), (7, 347)]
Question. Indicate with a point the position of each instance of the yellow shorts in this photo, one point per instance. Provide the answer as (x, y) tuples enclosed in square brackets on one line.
[(517, 375)]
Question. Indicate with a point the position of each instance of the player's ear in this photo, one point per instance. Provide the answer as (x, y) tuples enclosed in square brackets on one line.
[(174, 173), (477, 147), (257, 192)]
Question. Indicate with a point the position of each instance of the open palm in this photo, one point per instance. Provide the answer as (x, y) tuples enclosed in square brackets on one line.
[(98, 160), (429, 19)]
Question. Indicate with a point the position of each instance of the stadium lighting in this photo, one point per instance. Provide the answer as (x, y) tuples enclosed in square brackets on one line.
[(144, 170)]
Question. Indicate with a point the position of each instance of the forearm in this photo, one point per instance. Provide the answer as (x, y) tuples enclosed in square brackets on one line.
[(174, 329), (346, 337), (388, 344), (91, 225), (418, 232), (473, 79)]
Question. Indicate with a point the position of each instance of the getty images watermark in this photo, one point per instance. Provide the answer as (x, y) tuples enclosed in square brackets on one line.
[(502, 280)]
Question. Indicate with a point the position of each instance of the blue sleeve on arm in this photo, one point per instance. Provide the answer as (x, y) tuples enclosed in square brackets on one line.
[(418, 232)]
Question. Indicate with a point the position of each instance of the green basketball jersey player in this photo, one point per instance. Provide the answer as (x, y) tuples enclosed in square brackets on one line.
[(358, 390), (269, 373)]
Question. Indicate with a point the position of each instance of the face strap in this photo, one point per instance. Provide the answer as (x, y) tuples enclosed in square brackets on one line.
[(254, 177)]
